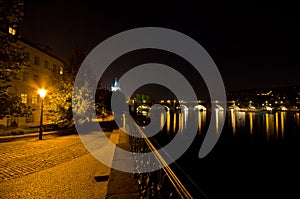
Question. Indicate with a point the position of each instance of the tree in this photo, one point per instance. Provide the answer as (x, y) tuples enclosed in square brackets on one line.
[(59, 99), (142, 99), (75, 61), (83, 103), (102, 100), (13, 57), (14, 107)]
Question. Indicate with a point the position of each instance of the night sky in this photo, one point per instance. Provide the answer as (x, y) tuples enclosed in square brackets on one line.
[(254, 44)]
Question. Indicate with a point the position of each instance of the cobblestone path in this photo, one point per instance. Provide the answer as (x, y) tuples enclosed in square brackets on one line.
[(24, 157)]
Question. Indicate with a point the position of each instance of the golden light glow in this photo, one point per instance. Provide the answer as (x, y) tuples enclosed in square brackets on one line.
[(174, 123), (276, 124), (199, 121), (181, 123), (162, 121), (267, 124), (217, 120), (12, 31), (61, 71), (270, 124), (282, 117), (233, 121), (298, 119), (42, 93), (168, 122), (251, 122)]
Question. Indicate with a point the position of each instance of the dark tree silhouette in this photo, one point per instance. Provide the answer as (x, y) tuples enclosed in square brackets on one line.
[(13, 57)]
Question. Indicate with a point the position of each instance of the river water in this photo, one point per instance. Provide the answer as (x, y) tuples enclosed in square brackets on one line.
[(256, 156)]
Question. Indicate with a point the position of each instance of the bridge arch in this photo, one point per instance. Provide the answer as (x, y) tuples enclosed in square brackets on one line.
[(182, 107), (200, 107)]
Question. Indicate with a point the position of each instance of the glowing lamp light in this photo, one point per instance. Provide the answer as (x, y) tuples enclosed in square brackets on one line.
[(42, 93)]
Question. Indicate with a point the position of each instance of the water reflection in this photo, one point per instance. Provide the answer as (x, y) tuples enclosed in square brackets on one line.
[(175, 122), (297, 118), (217, 120), (282, 119), (219, 114), (168, 122), (272, 126), (201, 120), (269, 121), (277, 125), (162, 120), (251, 123), (233, 121), (237, 120)]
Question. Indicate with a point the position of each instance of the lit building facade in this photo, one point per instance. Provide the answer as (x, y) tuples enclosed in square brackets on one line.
[(43, 67)]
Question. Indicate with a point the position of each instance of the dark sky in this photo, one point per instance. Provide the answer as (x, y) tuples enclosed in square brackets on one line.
[(254, 44)]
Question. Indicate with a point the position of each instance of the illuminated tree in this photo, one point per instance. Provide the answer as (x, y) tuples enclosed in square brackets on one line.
[(58, 102)]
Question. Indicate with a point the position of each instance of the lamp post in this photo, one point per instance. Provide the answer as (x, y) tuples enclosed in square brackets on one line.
[(42, 93)]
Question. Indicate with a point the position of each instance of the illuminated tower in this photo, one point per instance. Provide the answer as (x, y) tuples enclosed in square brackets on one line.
[(115, 86)]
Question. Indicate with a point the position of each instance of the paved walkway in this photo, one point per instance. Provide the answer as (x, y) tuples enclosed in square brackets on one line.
[(61, 167), (122, 185), (72, 179), (24, 157)]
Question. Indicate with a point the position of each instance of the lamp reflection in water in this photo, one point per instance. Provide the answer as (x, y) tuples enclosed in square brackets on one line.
[(280, 130), (174, 123), (282, 117), (168, 122), (276, 125), (162, 120), (201, 121), (219, 117), (251, 122), (233, 121), (297, 119)]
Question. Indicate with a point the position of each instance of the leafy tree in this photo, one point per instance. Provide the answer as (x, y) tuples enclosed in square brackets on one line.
[(14, 107), (83, 103), (58, 102), (13, 57), (142, 99), (77, 56), (59, 99)]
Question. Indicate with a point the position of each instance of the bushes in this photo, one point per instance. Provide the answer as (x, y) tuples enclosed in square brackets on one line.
[(17, 132), (12, 132)]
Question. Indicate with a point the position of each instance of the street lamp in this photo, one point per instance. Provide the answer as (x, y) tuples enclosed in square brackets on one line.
[(42, 93)]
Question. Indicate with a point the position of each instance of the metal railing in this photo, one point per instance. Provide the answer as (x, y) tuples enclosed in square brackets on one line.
[(162, 183)]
